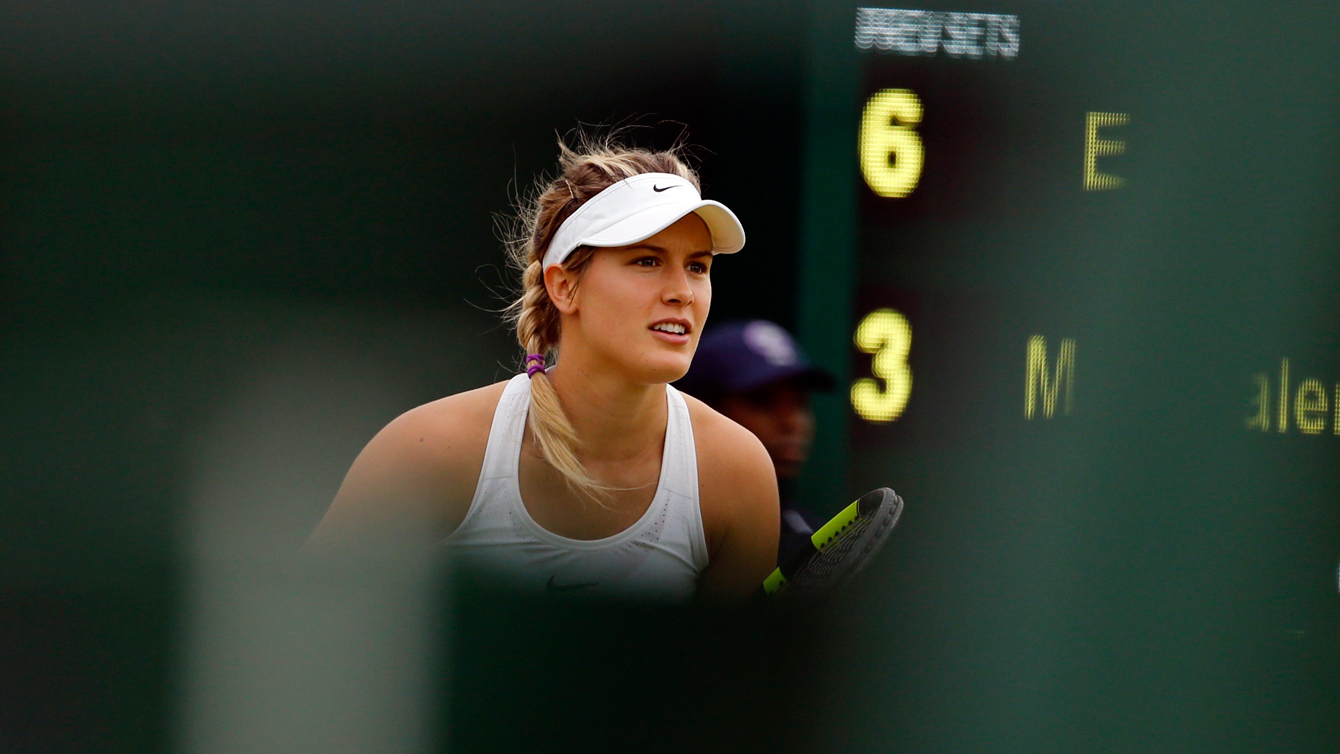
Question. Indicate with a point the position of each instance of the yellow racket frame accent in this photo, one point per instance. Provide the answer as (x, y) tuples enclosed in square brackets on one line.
[(820, 540), (839, 522)]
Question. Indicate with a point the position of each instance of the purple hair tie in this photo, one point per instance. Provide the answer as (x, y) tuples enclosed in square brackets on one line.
[(538, 366)]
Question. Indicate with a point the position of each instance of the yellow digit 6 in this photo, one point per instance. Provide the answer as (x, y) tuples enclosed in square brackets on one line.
[(890, 149), (886, 334)]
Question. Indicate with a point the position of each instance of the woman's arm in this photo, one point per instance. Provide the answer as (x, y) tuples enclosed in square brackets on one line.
[(737, 489)]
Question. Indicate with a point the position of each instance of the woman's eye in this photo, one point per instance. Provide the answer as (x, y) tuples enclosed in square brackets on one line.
[(698, 267), (646, 261)]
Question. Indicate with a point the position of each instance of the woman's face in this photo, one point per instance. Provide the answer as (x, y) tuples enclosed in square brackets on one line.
[(642, 307)]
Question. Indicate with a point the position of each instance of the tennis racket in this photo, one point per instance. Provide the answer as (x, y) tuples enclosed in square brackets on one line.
[(841, 548)]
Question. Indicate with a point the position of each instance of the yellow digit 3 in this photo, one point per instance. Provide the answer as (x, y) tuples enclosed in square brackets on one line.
[(890, 148), (886, 334)]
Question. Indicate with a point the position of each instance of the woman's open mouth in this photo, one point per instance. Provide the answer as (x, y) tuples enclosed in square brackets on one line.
[(672, 331)]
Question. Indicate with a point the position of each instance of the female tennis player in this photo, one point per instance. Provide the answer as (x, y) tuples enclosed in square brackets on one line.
[(592, 475)]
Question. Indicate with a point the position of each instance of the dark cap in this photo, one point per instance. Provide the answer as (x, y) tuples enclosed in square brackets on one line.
[(737, 357)]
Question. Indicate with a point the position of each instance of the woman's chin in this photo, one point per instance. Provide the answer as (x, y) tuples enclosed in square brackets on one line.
[(663, 370), (650, 366)]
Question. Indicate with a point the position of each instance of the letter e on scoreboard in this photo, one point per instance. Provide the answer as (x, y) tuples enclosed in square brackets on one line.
[(1095, 146)]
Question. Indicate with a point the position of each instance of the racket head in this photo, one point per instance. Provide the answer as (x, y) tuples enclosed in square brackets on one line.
[(841, 548)]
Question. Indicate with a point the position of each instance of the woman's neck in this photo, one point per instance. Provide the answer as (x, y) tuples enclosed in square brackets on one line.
[(616, 419)]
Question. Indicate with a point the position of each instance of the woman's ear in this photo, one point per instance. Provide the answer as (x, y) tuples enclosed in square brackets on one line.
[(562, 287)]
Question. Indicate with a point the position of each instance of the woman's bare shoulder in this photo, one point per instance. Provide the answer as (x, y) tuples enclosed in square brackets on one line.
[(734, 468), (443, 442), (418, 474), (726, 442), (449, 424)]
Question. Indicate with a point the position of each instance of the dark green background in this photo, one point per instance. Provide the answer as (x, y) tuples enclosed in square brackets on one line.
[(1145, 574)]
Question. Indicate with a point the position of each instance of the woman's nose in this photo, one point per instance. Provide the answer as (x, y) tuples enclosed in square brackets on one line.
[(677, 289)]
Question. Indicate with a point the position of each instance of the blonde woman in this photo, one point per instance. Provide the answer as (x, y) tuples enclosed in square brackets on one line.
[(592, 475)]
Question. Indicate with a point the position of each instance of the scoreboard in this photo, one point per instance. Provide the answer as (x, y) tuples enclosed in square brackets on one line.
[(1077, 266)]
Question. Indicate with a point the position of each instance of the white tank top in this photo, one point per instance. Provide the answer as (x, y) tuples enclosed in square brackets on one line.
[(659, 557)]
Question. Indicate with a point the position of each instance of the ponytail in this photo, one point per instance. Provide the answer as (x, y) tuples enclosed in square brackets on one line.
[(537, 330)]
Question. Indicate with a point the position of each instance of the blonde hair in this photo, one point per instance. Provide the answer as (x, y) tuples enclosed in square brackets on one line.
[(595, 165)]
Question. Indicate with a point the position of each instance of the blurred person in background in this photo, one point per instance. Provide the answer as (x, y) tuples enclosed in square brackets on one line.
[(592, 475), (754, 373)]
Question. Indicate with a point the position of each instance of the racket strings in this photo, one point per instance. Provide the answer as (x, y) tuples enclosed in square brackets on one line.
[(833, 560)]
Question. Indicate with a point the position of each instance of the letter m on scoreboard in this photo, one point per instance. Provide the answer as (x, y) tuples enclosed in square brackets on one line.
[(1047, 383)]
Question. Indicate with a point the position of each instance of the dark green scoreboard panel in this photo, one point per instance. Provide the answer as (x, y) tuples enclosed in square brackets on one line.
[(1077, 264)]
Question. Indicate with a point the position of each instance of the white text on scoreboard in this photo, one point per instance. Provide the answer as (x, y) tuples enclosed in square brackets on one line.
[(928, 33)]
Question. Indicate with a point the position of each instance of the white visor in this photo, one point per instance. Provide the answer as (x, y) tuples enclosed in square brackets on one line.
[(638, 208)]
